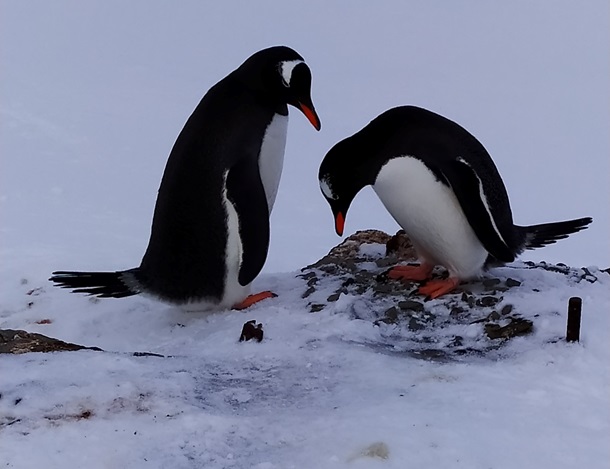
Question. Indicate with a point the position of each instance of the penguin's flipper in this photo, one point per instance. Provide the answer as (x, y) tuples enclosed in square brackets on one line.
[(246, 192), (468, 189)]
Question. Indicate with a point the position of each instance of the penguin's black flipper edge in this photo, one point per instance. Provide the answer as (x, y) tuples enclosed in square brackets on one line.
[(469, 191), (245, 190)]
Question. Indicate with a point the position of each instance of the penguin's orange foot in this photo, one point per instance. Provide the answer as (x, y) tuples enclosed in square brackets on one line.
[(252, 299), (435, 288), (416, 273)]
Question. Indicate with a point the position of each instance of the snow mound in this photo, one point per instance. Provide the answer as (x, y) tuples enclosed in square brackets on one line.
[(338, 380)]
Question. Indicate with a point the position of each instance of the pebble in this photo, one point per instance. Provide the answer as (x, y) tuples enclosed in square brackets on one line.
[(308, 292), (334, 297), (491, 282), (411, 305), (415, 325), (487, 301), (316, 307), (511, 282)]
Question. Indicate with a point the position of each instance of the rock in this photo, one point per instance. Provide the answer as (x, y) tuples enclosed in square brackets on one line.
[(411, 305), (493, 316), (316, 307), (489, 283), (308, 276), (350, 281), (17, 342), (308, 292), (383, 288), (251, 330), (400, 247), (511, 282), (457, 311), (350, 248), (390, 261), (458, 341), (416, 325), (517, 326), (424, 329), (470, 300), (487, 301), (334, 297), (390, 316)]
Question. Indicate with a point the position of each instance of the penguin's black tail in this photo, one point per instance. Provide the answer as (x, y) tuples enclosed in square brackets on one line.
[(537, 236), (101, 284)]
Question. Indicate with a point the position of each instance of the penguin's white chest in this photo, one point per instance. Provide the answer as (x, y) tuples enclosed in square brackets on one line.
[(271, 157), (233, 292), (431, 215)]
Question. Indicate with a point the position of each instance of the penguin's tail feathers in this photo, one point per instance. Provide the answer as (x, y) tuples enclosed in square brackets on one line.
[(101, 284), (537, 236)]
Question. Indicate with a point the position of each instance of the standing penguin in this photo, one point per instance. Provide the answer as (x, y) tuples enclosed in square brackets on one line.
[(210, 231), (441, 186)]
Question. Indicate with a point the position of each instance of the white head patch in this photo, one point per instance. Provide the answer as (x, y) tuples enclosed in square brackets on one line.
[(286, 69), (326, 189)]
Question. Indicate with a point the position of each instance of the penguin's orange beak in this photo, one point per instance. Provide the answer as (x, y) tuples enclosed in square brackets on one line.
[(311, 115), (339, 223)]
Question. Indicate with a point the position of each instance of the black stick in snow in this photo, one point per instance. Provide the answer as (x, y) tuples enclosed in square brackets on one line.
[(574, 314)]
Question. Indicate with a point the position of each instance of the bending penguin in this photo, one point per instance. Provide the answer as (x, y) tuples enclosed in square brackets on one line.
[(210, 231), (441, 186)]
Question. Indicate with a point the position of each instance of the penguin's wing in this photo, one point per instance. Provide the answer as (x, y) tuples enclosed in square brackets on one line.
[(469, 191), (246, 192)]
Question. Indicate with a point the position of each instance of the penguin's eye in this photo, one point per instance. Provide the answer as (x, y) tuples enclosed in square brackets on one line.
[(286, 68), (325, 187)]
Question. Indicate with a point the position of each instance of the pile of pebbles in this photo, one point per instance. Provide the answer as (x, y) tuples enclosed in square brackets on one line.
[(430, 329)]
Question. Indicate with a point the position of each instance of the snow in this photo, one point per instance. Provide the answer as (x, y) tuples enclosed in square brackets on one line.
[(317, 392), (92, 96)]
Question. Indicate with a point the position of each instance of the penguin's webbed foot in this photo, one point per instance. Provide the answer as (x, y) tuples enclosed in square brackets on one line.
[(252, 299), (435, 288), (409, 273)]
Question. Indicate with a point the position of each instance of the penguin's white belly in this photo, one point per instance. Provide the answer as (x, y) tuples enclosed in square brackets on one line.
[(233, 292), (431, 215), (271, 157)]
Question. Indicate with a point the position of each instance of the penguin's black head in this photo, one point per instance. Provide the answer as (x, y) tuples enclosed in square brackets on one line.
[(281, 75), (341, 176)]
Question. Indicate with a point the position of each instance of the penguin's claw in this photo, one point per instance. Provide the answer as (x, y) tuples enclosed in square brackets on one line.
[(435, 288), (416, 273), (252, 299)]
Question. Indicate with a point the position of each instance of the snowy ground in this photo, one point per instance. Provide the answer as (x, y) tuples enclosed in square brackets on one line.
[(319, 391), (92, 96)]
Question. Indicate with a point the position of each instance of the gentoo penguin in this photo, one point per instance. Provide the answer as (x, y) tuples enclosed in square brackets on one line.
[(441, 186), (210, 230)]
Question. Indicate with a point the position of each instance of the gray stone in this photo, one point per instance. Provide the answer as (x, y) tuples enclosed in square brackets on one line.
[(511, 282), (17, 342), (493, 316), (411, 305), (416, 325), (491, 282), (334, 297), (308, 292), (487, 301), (516, 327)]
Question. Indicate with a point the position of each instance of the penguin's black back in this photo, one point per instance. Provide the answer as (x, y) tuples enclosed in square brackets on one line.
[(436, 141), (185, 257)]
